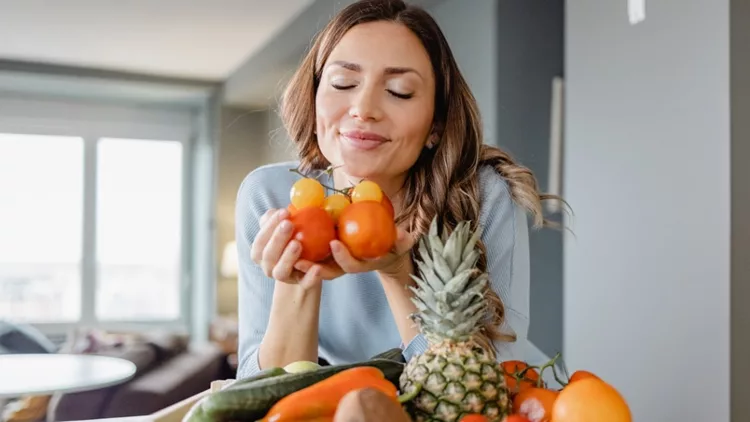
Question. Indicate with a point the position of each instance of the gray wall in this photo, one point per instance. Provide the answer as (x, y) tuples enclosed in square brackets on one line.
[(740, 272), (472, 34), (647, 276)]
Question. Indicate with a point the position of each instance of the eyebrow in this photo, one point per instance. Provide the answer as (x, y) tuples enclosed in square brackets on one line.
[(354, 67)]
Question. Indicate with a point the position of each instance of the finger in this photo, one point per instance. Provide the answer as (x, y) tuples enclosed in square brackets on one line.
[(311, 278), (284, 268), (266, 215), (328, 270), (405, 241), (275, 246), (345, 259), (266, 230)]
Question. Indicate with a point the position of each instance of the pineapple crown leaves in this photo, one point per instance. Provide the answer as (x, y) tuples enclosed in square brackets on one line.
[(449, 291)]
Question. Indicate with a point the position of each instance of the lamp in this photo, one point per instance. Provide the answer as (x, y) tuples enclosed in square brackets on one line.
[(229, 260)]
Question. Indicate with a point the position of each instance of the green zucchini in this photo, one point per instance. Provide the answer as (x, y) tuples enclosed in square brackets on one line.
[(395, 354), (266, 373), (251, 401)]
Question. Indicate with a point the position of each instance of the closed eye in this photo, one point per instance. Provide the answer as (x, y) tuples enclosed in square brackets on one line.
[(399, 95), (342, 87)]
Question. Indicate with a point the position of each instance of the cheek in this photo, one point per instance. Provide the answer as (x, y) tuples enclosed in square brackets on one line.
[(328, 110), (415, 125)]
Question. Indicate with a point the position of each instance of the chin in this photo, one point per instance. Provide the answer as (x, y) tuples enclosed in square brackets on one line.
[(361, 165)]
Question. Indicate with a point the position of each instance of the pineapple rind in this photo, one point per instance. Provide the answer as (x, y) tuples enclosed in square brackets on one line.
[(455, 379)]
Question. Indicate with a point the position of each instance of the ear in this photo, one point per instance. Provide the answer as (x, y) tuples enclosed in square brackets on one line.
[(432, 140)]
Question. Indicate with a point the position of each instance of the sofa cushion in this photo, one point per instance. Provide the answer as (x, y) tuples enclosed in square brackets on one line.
[(176, 379)]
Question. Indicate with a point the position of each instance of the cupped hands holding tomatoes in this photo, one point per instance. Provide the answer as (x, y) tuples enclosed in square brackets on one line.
[(321, 236)]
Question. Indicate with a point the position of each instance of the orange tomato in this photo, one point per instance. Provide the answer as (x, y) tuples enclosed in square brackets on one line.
[(367, 230), (535, 403), (512, 367), (315, 230), (474, 417), (334, 204), (580, 375), (292, 209), (590, 400), (307, 192), (388, 205)]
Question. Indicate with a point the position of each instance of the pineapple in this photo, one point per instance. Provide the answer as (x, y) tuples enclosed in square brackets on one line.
[(454, 376)]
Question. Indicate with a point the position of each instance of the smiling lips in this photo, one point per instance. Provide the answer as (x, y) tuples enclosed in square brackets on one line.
[(363, 140)]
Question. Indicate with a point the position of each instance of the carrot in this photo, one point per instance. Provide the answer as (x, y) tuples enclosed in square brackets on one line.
[(320, 400)]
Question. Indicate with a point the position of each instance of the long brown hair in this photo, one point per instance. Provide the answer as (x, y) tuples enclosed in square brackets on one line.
[(445, 179)]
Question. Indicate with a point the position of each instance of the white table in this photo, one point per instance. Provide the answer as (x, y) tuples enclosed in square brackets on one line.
[(22, 374)]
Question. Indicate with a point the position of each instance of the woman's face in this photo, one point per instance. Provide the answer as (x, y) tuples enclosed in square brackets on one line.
[(375, 101)]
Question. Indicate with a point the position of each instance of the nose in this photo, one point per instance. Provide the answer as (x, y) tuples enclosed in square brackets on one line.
[(366, 105)]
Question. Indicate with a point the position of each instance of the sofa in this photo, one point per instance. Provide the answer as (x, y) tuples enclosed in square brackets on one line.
[(168, 370)]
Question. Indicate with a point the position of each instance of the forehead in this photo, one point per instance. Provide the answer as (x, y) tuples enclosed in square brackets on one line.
[(382, 44)]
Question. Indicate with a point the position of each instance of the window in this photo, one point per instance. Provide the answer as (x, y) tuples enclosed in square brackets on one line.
[(93, 222), (139, 227), (41, 221)]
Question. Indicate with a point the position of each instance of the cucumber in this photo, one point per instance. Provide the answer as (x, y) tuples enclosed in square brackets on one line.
[(266, 373), (395, 354), (251, 401)]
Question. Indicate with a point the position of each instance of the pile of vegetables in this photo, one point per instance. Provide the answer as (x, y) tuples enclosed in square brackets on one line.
[(302, 391)]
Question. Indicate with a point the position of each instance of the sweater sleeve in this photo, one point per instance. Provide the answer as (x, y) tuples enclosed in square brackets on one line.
[(255, 289), (505, 237)]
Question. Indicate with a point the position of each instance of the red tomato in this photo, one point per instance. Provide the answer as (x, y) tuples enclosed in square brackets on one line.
[(314, 229), (367, 230)]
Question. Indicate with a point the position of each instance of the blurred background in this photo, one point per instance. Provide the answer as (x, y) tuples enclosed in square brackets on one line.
[(127, 127)]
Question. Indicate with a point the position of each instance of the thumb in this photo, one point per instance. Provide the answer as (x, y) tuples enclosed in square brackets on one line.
[(404, 241), (311, 278)]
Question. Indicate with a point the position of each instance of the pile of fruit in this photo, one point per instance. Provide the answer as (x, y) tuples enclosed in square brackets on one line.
[(360, 216), (453, 380)]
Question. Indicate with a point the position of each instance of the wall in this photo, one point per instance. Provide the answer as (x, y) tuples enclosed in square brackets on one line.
[(647, 274), (471, 33), (248, 140), (740, 149)]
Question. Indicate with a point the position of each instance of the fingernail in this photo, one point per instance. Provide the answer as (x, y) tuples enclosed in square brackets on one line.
[(286, 225), (294, 245), (283, 213), (335, 246)]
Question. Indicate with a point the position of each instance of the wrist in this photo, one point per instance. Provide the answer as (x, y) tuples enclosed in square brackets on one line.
[(401, 274), (297, 294)]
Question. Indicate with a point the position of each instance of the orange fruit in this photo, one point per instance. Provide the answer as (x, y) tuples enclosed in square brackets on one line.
[(367, 230), (535, 403), (315, 230), (590, 400), (581, 374)]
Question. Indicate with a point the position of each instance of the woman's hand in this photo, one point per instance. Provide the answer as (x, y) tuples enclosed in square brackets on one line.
[(394, 264), (276, 252)]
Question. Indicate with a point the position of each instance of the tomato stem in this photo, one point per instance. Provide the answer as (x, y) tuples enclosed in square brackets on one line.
[(545, 366), (345, 191)]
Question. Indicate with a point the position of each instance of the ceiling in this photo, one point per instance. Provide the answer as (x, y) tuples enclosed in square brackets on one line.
[(193, 39)]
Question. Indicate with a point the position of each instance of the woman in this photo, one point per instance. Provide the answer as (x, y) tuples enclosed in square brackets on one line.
[(379, 96)]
